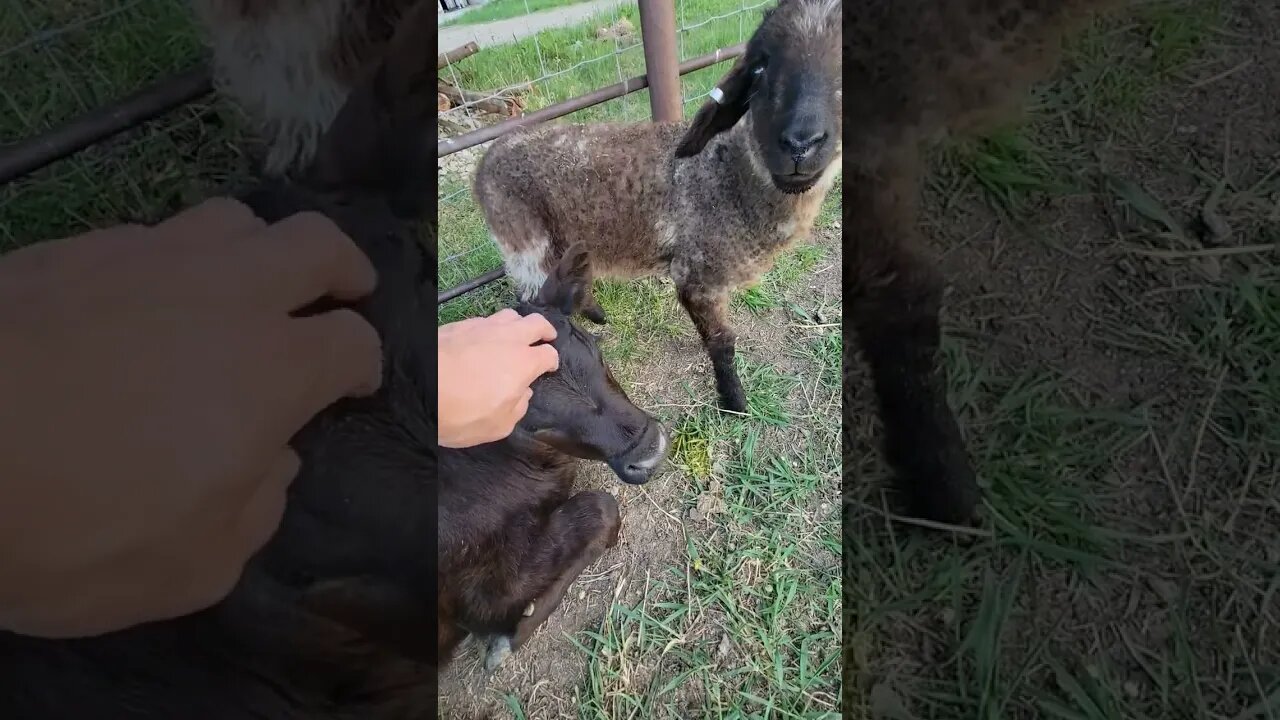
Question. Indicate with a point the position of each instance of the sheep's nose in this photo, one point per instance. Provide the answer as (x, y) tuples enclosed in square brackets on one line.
[(801, 139)]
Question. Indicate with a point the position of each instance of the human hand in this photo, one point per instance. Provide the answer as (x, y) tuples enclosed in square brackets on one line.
[(152, 378), (486, 367)]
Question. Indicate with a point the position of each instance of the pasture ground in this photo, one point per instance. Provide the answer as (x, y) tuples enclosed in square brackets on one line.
[(1113, 324)]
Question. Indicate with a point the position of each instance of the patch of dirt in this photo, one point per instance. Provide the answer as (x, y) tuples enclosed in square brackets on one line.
[(549, 670)]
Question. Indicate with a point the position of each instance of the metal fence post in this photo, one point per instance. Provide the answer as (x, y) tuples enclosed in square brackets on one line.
[(661, 61)]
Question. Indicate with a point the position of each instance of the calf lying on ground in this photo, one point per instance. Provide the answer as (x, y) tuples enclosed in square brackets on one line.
[(509, 501), (332, 619)]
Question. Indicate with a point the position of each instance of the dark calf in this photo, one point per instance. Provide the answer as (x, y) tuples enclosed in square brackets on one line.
[(511, 537)]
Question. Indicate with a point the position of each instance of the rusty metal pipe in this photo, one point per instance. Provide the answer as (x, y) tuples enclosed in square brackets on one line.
[(27, 156), (466, 287), (661, 59), (572, 105)]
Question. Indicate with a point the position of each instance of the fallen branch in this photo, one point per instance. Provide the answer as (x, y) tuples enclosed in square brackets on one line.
[(456, 54), (506, 106)]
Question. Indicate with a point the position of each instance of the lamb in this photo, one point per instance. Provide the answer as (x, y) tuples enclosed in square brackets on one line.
[(332, 620), (710, 204), (511, 499), (290, 64)]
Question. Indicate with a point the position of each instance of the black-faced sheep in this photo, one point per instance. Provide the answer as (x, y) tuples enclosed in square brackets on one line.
[(709, 203)]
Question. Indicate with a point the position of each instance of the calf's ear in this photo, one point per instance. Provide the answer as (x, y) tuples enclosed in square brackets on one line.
[(568, 288)]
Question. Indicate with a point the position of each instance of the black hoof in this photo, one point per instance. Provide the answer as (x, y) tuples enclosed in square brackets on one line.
[(944, 493), (733, 400), (595, 315)]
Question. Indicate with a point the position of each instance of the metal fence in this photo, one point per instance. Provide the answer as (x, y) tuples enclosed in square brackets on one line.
[(596, 60)]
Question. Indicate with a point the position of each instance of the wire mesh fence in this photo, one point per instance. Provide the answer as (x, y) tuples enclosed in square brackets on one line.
[(535, 53), (60, 61)]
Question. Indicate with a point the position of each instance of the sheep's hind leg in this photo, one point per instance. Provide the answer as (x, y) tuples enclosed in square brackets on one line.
[(708, 310), (576, 535)]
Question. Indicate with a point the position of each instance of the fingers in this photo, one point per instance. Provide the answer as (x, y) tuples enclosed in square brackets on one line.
[(530, 329), (325, 358), (542, 359), (297, 261), (215, 219)]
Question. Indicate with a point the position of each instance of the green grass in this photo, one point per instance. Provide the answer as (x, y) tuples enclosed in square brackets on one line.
[(142, 175), (1111, 75), (765, 578), (504, 9)]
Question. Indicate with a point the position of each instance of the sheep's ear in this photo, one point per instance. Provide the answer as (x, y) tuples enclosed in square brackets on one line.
[(729, 102), (569, 287)]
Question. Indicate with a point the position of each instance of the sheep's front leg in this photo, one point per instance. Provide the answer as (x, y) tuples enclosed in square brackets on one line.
[(708, 308), (591, 309), (576, 535), (895, 294)]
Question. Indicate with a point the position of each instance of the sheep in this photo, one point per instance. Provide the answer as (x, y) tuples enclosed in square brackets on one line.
[(332, 619), (710, 203), (510, 500), (290, 64)]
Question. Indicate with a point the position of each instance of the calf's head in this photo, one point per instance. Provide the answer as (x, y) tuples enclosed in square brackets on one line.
[(788, 79), (580, 409)]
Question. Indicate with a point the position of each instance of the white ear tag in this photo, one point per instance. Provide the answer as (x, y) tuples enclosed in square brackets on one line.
[(717, 95)]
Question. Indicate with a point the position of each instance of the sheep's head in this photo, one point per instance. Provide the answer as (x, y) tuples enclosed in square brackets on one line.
[(788, 79), (581, 409)]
